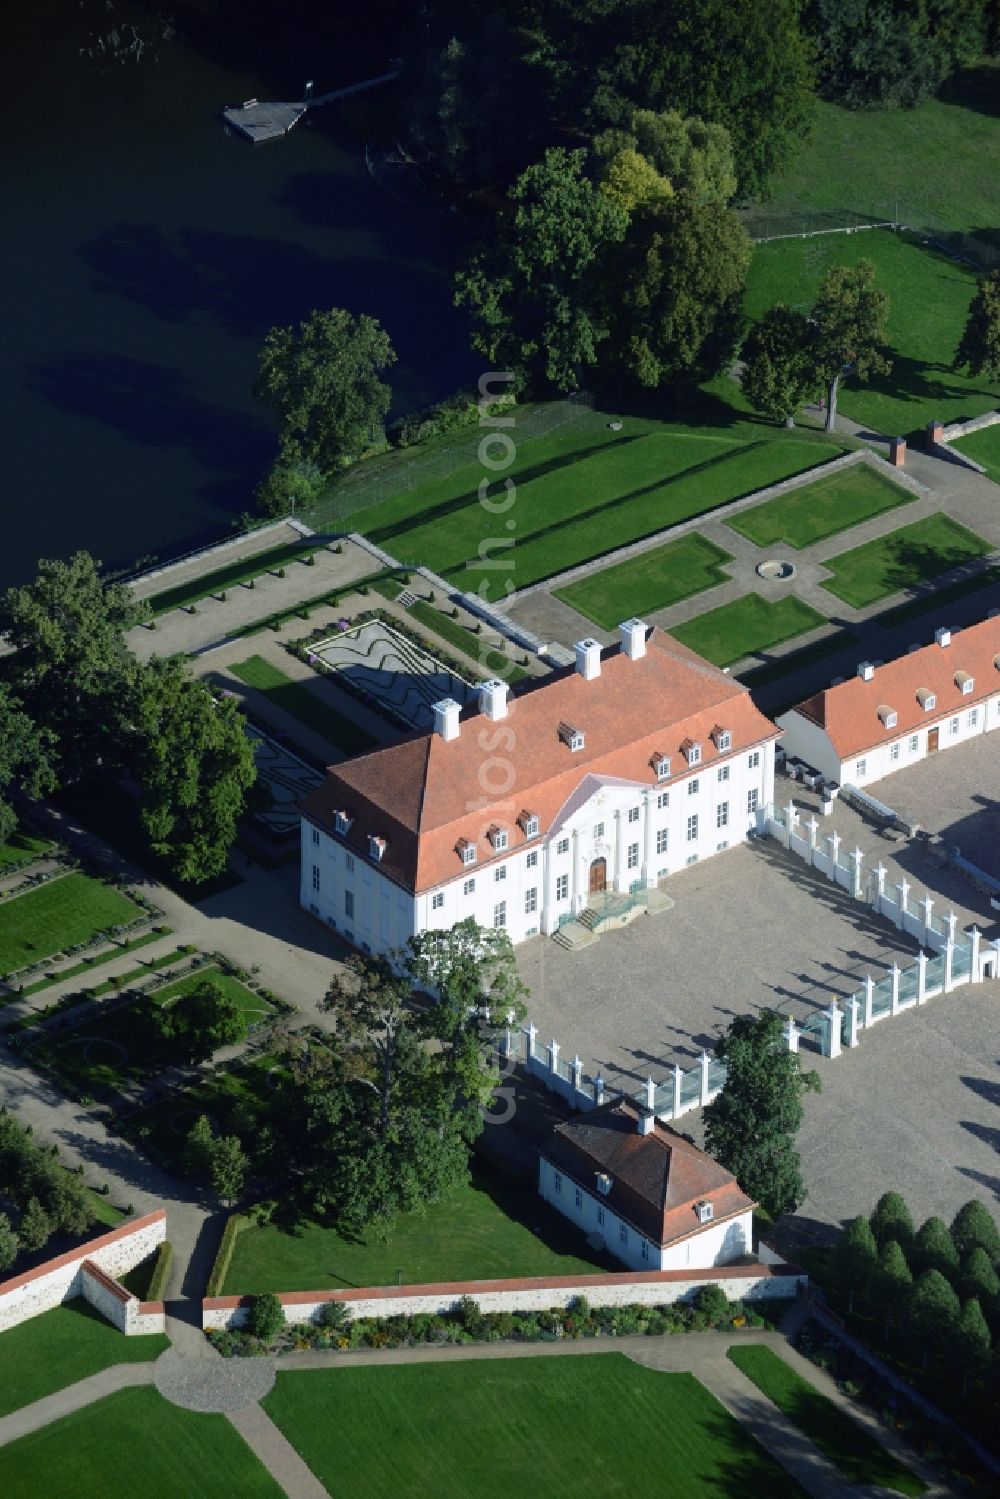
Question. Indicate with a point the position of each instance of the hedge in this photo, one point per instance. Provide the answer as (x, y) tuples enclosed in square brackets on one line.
[(220, 1269), (161, 1270)]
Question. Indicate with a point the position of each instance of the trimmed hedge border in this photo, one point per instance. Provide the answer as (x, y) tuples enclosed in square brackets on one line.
[(220, 1269), (105, 957), (164, 1259)]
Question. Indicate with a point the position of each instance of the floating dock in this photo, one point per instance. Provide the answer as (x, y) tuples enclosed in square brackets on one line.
[(259, 122)]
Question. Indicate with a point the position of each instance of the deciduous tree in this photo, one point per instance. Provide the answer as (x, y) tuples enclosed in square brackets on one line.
[(35, 1228), (198, 1145), (979, 350), (197, 1023), (891, 53), (850, 317), (229, 1166), (8, 1243), (322, 379), (695, 157), (26, 753), (750, 1127), (778, 364)]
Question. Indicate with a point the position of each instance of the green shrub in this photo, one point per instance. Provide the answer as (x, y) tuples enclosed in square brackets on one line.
[(161, 1270), (334, 1315), (713, 1303), (267, 1317)]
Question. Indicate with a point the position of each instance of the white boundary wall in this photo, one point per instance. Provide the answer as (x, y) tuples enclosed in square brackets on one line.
[(60, 1279), (761, 1282)]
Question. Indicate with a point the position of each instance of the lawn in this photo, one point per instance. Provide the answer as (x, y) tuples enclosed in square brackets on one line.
[(86, 965), (300, 702), (746, 627), (903, 559), (983, 447), (820, 509), (820, 650), (595, 1427), (57, 915), (58, 1348), (110, 1049), (236, 1099), (233, 574), (477, 1233), (653, 580), (21, 847), (849, 1446), (462, 639), (132, 1443), (926, 162), (583, 490), (929, 298)]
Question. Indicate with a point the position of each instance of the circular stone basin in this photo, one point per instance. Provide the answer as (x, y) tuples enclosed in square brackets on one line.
[(776, 571)]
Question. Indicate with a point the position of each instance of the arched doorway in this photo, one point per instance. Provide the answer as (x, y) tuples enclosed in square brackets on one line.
[(598, 876)]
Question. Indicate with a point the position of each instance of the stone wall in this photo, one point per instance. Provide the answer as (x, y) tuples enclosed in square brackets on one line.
[(89, 1271), (760, 1282), (940, 445)]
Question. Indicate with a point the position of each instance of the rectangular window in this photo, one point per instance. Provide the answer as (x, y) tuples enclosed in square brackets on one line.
[(753, 760), (349, 862), (499, 840), (600, 1216), (752, 798), (720, 847), (599, 830), (623, 1232), (692, 828), (437, 901), (633, 814), (894, 751), (532, 859), (691, 859), (562, 847), (953, 726), (722, 815), (500, 873), (693, 787), (914, 744), (663, 800), (861, 769), (315, 835), (349, 903), (633, 856), (557, 1180), (530, 900), (468, 853), (531, 827), (469, 887), (562, 887), (723, 773), (973, 717), (315, 876), (661, 841), (500, 914), (644, 1252), (578, 1198)]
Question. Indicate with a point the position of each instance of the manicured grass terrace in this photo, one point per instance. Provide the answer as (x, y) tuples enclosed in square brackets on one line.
[(475, 1234), (57, 915), (86, 965), (58, 1348), (583, 490), (820, 509), (233, 574), (23, 846), (929, 298), (983, 447), (903, 559), (853, 1450), (132, 1443), (568, 1428), (746, 626), (300, 702), (651, 581)]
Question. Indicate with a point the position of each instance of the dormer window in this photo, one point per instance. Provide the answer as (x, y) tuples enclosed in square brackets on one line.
[(342, 822), (965, 683), (705, 1212), (529, 824), (467, 852), (926, 699), (572, 737), (376, 848), (661, 767), (691, 751), (603, 1183), (723, 739), (498, 838), (889, 717)]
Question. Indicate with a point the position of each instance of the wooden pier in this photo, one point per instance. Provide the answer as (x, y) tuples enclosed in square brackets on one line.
[(258, 122)]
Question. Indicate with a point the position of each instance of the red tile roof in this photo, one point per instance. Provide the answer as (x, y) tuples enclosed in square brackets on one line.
[(849, 712), (657, 1180), (424, 795)]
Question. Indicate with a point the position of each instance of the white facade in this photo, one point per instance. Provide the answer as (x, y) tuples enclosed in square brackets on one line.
[(611, 833), (808, 741), (715, 1244)]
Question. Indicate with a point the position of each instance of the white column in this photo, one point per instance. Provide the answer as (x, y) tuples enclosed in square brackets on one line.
[(858, 859), (577, 1067), (928, 905), (598, 1090), (575, 899), (792, 1034), (791, 818), (554, 1058), (894, 973), (530, 1032), (836, 1016), (921, 978), (952, 921), (813, 829), (853, 1016), (549, 913), (949, 954), (975, 937), (834, 842), (648, 872), (619, 851), (902, 892), (678, 1077), (650, 1094), (880, 874), (869, 1000), (704, 1060)]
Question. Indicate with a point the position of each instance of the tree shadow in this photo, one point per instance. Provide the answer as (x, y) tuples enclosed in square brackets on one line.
[(976, 88)]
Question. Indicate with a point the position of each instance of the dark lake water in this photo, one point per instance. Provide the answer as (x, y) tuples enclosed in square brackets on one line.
[(145, 253)]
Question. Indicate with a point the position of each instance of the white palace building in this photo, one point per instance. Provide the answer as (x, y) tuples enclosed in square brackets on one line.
[(606, 777)]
